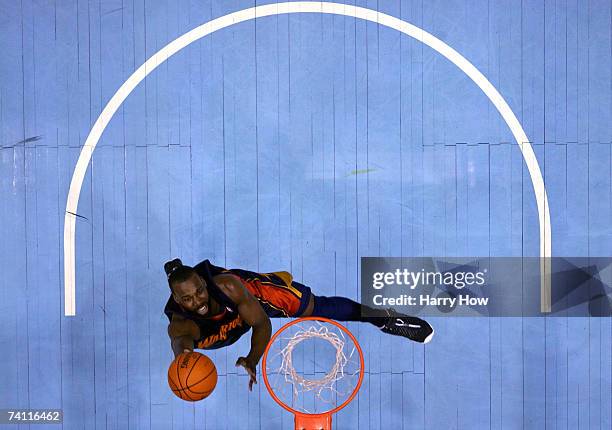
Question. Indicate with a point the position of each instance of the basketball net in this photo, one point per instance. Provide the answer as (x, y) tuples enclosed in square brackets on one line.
[(327, 379), (326, 388)]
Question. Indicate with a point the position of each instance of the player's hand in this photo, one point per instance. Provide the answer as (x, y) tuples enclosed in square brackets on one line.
[(179, 352), (251, 369), (185, 351)]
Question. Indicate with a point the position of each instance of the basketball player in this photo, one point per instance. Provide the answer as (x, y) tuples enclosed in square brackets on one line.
[(211, 307)]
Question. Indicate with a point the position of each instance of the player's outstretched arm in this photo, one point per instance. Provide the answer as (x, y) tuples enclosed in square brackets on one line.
[(183, 333), (253, 314)]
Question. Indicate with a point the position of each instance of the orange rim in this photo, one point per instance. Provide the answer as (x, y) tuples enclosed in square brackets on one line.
[(297, 321)]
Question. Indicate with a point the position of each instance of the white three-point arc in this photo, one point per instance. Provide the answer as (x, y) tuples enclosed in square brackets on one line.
[(303, 7)]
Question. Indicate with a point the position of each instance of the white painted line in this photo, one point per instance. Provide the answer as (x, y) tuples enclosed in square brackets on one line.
[(303, 7)]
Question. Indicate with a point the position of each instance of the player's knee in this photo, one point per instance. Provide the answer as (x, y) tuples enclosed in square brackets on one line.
[(337, 308)]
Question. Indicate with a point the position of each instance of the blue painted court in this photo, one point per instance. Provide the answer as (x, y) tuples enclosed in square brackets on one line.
[(299, 142)]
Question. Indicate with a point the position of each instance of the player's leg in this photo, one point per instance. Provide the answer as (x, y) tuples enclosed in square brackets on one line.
[(389, 321), (280, 296)]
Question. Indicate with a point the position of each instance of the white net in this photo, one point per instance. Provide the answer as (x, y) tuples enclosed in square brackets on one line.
[(312, 366)]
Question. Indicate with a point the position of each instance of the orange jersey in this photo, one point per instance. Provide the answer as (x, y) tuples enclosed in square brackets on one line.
[(276, 291)]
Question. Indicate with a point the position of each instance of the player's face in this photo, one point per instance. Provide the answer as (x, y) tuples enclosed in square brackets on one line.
[(192, 295)]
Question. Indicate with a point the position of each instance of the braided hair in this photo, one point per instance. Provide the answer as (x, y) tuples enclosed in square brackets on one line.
[(177, 272)]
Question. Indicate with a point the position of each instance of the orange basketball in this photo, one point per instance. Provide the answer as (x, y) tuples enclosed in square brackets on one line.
[(192, 376)]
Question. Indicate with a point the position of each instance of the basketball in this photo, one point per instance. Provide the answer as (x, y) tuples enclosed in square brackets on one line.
[(192, 376)]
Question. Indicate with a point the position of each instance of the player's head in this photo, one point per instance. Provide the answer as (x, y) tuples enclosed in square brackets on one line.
[(188, 288)]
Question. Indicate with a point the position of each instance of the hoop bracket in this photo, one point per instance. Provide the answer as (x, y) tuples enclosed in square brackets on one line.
[(313, 421)]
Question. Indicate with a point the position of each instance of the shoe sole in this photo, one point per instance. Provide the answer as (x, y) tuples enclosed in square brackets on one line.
[(428, 338)]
